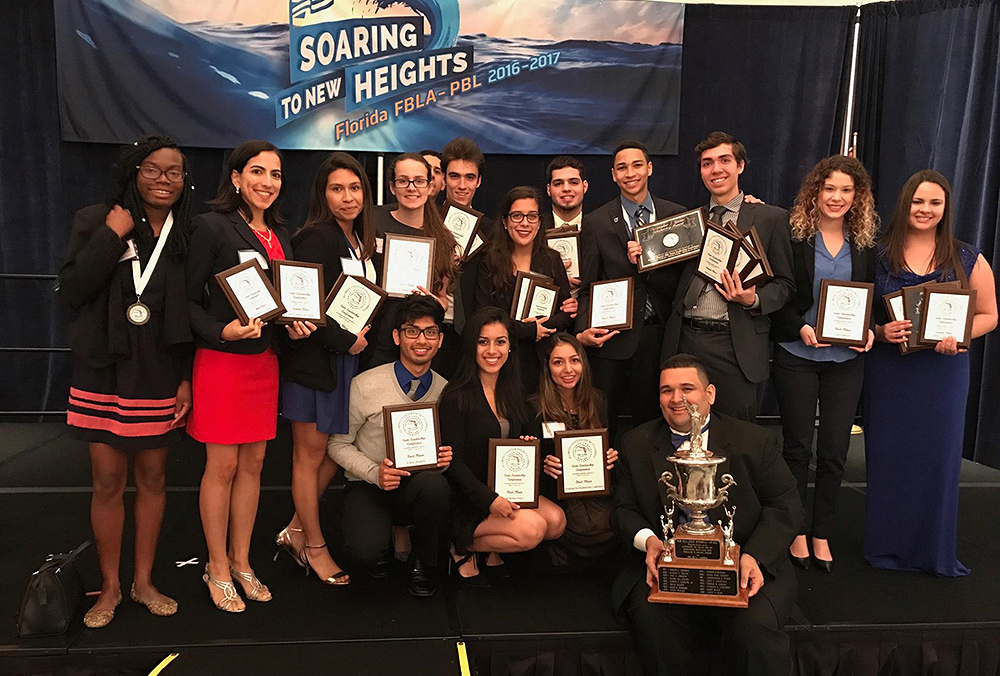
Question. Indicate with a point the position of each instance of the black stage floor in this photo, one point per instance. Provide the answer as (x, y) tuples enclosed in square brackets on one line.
[(855, 621)]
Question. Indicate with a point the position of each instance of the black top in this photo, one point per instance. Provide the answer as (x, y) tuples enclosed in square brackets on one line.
[(98, 286), (215, 246), (467, 425), (313, 362), (786, 322)]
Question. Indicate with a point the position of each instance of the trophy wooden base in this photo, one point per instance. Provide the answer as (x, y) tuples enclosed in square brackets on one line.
[(696, 573)]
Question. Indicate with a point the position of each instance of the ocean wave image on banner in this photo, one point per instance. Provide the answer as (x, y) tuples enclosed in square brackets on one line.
[(576, 77)]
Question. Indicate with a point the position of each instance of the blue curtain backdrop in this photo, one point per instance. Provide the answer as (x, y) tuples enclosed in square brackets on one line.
[(774, 77), (930, 98)]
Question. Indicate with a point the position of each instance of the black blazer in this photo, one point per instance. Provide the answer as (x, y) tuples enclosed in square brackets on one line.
[(603, 242), (215, 244), (786, 322), (99, 288), (749, 328), (766, 496), (467, 425), (313, 361), (475, 285)]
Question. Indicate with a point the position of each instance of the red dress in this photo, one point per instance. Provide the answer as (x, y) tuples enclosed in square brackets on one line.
[(235, 396)]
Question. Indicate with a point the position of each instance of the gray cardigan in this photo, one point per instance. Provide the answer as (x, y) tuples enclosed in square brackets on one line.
[(362, 449)]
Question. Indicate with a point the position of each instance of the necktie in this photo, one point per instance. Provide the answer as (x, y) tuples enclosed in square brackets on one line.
[(678, 439), (698, 285), (412, 392), (640, 220)]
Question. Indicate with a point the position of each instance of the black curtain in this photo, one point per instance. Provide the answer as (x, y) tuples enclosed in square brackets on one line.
[(930, 98), (773, 76)]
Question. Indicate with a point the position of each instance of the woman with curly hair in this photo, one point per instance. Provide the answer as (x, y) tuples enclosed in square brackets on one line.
[(131, 341), (833, 237)]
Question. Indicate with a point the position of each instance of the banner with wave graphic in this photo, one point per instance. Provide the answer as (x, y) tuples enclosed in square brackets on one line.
[(373, 75)]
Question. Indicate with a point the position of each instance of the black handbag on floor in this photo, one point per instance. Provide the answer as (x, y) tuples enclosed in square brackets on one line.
[(54, 596)]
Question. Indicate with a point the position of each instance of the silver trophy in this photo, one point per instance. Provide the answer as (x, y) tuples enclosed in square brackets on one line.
[(695, 488)]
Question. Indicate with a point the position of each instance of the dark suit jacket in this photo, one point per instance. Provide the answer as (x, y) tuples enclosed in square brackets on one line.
[(215, 244), (313, 361), (467, 425), (767, 500), (749, 328), (603, 242), (98, 286), (786, 322)]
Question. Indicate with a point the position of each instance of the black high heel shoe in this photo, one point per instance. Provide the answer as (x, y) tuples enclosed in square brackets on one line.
[(500, 571), (478, 580), (800, 561), (825, 566)]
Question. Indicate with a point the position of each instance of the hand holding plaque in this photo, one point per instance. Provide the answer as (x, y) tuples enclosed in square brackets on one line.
[(513, 470), (583, 454), (845, 312), (353, 301), (300, 287), (412, 435), (670, 240), (249, 292)]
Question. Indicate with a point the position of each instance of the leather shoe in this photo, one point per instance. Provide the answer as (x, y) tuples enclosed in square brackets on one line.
[(825, 566), (800, 561), (423, 581), (379, 569)]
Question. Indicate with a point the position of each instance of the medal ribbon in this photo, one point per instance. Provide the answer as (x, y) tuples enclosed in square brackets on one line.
[(355, 256), (141, 280)]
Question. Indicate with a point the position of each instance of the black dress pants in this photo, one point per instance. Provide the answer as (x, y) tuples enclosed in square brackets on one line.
[(798, 384), (679, 640), (422, 501), (635, 380), (734, 394)]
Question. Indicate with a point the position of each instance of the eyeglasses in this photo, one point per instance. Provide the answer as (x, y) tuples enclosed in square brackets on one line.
[(148, 171), (517, 216), (418, 182), (430, 333)]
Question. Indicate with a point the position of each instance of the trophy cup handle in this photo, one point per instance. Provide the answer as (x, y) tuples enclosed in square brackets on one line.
[(729, 482)]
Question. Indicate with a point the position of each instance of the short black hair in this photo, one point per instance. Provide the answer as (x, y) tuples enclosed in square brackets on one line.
[(432, 153), (716, 139), (687, 361), (630, 143), (463, 148), (563, 162), (416, 306)]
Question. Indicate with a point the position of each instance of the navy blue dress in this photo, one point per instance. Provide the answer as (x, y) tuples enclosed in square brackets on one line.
[(914, 411)]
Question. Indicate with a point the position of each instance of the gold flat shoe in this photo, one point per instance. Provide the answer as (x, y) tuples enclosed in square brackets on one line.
[(231, 601), (159, 608), (95, 619), (253, 589)]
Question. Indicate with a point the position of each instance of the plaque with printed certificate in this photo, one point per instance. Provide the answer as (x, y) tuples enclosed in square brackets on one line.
[(542, 299), (250, 293), (583, 454), (300, 288), (611, 304), (845, 312), (948, 312), (894, 308), (513, 470), (719, 250), (913, 309), (408, 262), (670, 240), (522, 284), (759, 269), (412, 435), (566, 243), (463, 222), (353, 301)]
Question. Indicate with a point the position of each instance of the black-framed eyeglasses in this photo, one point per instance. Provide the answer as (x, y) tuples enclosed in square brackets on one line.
[(150, 172), (430, 332), (517, 216), (418, 182)]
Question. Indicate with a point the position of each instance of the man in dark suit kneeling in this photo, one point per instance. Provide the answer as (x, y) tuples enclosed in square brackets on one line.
[(679, 639)]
